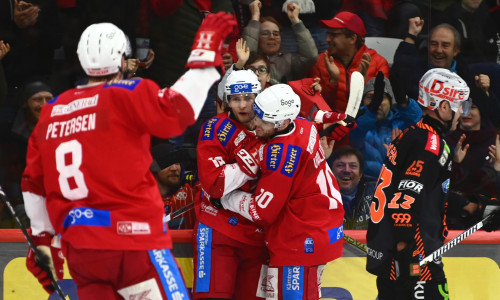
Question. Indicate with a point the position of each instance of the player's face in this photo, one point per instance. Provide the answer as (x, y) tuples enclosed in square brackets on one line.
[(347, 172), (472, 121), (263, 128), (269, 38), (35, 103), (171, 175), (242, 107), (258, 67), (442, 48)]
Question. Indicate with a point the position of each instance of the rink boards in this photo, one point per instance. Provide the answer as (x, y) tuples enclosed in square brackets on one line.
[(472, 269)]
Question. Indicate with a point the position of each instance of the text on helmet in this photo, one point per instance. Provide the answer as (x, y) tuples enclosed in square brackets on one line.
[(239, 88), (449, 93)]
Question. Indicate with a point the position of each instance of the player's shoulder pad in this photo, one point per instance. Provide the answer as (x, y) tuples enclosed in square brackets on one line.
[(129, 84)]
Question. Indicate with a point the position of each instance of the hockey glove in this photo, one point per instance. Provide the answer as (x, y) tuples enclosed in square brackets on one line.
[(216, 203), (494, 222), (340, 131), (378, 93), (207, 47), (51, 261)]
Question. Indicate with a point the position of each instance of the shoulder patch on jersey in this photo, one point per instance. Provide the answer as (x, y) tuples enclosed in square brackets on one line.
[(273, 156), (291, 160), (433, 143), (208, 129), (225, 131), (129, 84)]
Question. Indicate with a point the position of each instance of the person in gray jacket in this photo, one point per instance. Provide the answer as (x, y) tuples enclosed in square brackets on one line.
[(263, 35)]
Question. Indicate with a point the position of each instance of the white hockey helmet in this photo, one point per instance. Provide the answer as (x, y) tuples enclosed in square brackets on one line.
[(241, 82), (440, 84), (277, 104), (101, 48)]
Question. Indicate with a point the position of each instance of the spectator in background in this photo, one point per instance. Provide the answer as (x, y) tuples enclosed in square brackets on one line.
[(443, 52), (264, 35), (4, 49), (472, 181), (15, 143), (379, 118), (346, 53), (169, 170), (355, 187)]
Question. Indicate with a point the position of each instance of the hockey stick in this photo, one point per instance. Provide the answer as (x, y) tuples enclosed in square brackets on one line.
[(453, 242), (355, 243), (38, 255), (180, 211), (355, 97)]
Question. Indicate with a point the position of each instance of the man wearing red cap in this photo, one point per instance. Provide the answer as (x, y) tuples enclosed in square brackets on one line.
[(347, 53)]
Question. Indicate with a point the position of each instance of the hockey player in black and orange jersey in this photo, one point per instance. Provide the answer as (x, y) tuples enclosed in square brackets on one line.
[(229, 250), (408, 209)]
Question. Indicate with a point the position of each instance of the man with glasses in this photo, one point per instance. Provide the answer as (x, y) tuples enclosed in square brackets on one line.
[(229, 250), (264, 35), (347, 53)]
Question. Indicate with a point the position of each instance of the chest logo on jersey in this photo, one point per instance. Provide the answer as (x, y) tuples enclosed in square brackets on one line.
[(208, 129), (415, 169), (129, 84), (291, 160), (432, 143), (273, 154), (225, 131), (75, 105)]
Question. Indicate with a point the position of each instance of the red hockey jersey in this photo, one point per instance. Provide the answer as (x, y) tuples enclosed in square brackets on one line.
[(220, 139), (297, 200), (88, 164)]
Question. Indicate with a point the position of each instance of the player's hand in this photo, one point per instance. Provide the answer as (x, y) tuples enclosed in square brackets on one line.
[(494, 222), (207, 47), (332, 68), (341, 131), (248, 158), (216, 203), (51, 261)]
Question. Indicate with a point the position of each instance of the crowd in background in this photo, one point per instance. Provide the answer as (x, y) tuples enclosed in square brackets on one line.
[(286, 42)]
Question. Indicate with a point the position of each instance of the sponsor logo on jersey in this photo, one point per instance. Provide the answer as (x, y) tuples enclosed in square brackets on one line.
[(273, 154), (204, 249), (416, 168), (240, 88), (293, 278), (401, 220), (170, 276), (374, 253), (225, 131), (419, 290), (446, 185), (444, 155), (309, 245), (271, 284), (88, 217), (241, 136), (336, 233), (291, 160), (312, 139), (128, 84), (132, 228), (75, 105), (233, 221), (208, 129), (410, 185), (432, 143)]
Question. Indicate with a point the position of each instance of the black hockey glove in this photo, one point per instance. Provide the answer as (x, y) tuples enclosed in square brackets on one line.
[(216, 202), (378, 93), (494, 222)]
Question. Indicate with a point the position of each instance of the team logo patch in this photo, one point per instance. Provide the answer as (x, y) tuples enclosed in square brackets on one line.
[(432, 143), (128, 84), (273, 155), (225, 131), (291, 160), (208, 129)]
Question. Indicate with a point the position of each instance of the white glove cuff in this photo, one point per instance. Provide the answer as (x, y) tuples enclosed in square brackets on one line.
[(238, 202)]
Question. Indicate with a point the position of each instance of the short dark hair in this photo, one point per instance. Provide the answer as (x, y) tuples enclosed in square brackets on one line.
[(348, 150), (255, 56), (360, 41)]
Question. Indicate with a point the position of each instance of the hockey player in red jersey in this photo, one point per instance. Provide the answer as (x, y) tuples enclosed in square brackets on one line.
[(297, 199), (87, 178), (229, 250), (408, 208)]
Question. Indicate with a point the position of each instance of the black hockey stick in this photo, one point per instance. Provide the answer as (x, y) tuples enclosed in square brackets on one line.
[(455, 241), (352, 241), (180, 211), (38, 255)]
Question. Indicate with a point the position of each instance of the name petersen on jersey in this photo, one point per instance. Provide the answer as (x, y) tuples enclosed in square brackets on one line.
[(74, 125)]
